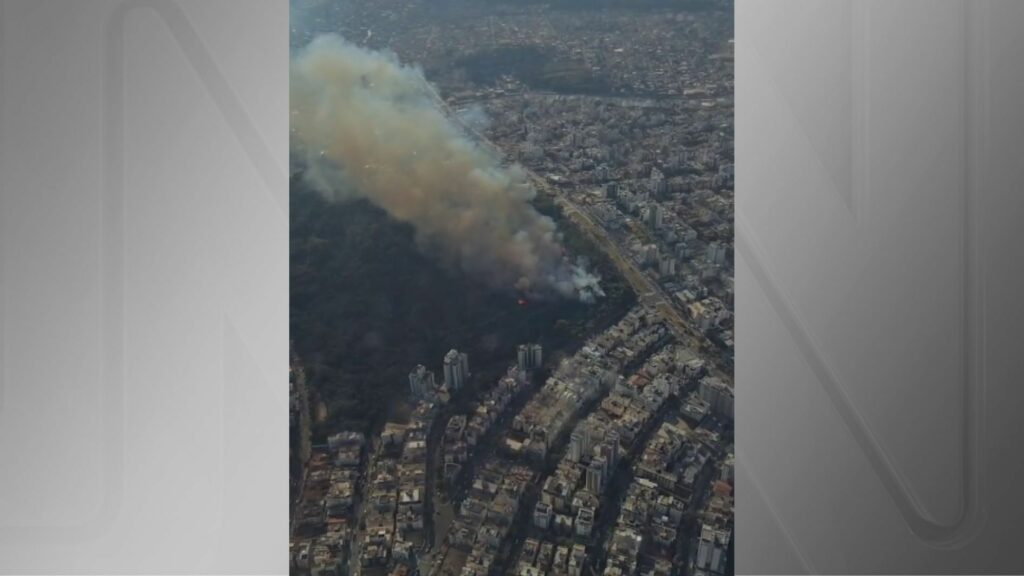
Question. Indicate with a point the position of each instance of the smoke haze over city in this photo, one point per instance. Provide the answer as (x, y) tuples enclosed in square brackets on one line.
[(364, 125)]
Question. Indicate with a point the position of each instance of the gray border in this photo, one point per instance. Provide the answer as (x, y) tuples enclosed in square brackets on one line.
[(3, 243), (858, 197), (965, 527), (113, 245)]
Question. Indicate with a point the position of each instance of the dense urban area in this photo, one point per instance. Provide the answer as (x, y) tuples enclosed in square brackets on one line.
[(615, 457)]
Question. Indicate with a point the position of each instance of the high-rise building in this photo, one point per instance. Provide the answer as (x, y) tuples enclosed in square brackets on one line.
[(705, 547), (586, 442), (715, 253), (607, 454), (666, 265), (719, 557), (421, 382), (584, 521), (728, 468), (656, 183), (655, 216), (718, 396), (576, 446), (595, 475), (612, 448), (712, 549), (611, 190), (456, 369), (614, 438), (529, 357), (542, 515)]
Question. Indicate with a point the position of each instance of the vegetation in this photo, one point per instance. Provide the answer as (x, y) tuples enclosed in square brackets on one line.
[(536, 67), (367, 306)]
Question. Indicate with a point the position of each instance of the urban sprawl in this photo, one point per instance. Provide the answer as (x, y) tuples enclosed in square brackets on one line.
[(617, 459)]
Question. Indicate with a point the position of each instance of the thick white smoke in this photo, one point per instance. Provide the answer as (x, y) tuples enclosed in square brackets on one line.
[(367, 126)]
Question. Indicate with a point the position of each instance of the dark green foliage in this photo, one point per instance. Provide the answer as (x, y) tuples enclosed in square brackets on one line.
[(538, 68), (367, 306)]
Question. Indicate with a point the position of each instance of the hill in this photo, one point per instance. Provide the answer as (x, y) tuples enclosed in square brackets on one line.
[(367, 306)]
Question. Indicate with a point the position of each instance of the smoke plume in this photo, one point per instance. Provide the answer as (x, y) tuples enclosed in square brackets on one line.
[(364, 125)]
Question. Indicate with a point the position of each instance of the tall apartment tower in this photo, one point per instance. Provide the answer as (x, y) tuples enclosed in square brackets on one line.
[(529, 357), (610, 449), (595, 475), (706, 546), (536, 356), (655, 216), (576, 446), (421, 382), (456, 369)]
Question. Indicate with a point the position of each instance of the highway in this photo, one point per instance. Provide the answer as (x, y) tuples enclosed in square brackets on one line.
[(647, 290)]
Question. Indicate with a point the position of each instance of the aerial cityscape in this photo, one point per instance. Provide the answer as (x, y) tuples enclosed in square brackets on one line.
[(512, 287)]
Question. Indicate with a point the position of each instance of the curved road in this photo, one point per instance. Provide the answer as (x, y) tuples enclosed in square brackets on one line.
[(648, 291)]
